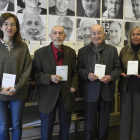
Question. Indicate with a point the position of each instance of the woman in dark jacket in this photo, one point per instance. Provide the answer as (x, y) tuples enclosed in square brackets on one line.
[(129, 87)]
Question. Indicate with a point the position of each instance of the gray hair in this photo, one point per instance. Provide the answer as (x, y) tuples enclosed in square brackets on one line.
[(59, 27), (129, 37), (64, 19)]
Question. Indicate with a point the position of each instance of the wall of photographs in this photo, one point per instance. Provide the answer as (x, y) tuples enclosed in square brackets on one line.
[(37, 17)]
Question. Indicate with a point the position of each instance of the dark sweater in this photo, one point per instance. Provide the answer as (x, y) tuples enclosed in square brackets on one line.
[(18, 62)]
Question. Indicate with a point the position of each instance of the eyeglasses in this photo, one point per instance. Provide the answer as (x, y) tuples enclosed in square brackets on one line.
[(95, 34), (7, 25)]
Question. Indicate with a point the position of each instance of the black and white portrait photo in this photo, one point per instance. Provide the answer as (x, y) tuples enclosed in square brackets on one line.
[(66, 22), (33, 27), (112, 9), (32, 7), (113, 30), (128, 27), (132, 10), (88, 8), (7, 5), (83, 29), (62, 7)]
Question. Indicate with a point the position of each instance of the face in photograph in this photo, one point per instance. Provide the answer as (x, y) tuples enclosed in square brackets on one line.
[(31, 3), (85, 26), (115, 31), (136, 7), (113, 7), (62, 5), (90, 6), (67, 24), (32, 26)]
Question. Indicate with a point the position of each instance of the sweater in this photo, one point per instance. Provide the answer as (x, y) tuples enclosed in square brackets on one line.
[(18, 62)]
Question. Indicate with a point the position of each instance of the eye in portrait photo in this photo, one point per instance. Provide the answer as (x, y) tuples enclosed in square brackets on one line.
[(112, 9), (83, 29), (88, 8), (33, 27), (66, 22), (32, 7), (61, 7), (113, 30)]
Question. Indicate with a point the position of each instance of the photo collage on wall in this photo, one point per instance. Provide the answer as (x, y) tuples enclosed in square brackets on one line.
[(37, 19)]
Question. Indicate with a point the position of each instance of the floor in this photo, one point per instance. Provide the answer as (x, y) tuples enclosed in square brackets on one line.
[(113, 134)]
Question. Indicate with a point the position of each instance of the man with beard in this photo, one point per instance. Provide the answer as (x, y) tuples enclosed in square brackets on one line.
[(67, 24), (85, 25), (115, 33), (61, 8), (52, 90), (91, 8), (32, 28), (136, 9)]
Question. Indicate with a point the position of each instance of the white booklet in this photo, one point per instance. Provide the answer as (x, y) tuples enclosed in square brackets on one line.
[(132, 67), (8, 80), (63, 72), (99, 70)]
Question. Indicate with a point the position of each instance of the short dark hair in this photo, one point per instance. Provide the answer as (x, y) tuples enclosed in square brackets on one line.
[(17, 36), (22, 4)]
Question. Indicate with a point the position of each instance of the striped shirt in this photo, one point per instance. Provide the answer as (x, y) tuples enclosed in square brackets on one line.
[(8, 47)]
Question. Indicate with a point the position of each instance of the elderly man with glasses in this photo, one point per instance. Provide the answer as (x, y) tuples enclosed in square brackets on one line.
[(98, 90)]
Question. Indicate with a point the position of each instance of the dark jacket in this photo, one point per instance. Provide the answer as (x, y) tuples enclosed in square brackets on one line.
[(44, 66), (126, 54), (92, 90), (10, 6)]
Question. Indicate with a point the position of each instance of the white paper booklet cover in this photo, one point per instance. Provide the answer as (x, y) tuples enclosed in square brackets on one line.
[(63, 72), (34, 45), (78, 45), (99, 70), (132, 67), (68, 43), (8, 80)]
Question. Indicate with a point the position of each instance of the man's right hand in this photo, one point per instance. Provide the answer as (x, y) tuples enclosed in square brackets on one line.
[(125, 75), (92, 77), (56, 78)]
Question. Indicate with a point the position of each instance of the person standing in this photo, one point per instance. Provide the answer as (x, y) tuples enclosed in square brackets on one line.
[(52, 90), (98, 93), (129, 87), (14, 60)]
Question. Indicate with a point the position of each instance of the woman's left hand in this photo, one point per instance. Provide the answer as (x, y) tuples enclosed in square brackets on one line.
[(137, 75), (72, 89)]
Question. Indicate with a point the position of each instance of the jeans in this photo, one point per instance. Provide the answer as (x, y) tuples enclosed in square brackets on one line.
[(47, 121), (16, 111)]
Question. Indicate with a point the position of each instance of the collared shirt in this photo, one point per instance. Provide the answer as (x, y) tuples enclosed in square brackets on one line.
[(55, 51), (6, 7), (8, 47)]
